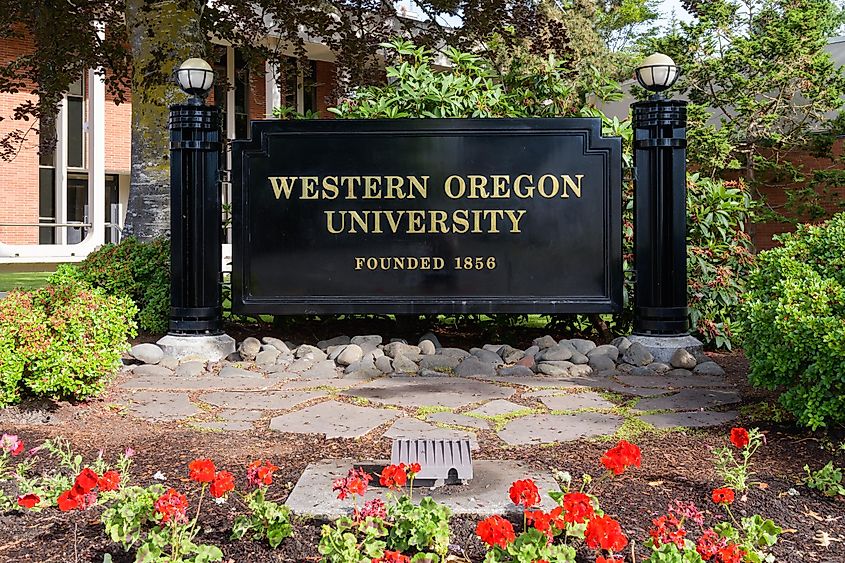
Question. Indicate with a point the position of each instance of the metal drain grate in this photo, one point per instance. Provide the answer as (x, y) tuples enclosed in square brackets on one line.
[(449, 461)]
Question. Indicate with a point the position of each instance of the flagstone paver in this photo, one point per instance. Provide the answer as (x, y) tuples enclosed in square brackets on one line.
[(270, 400), (449, 392), (225, 425), (576, 401), (458, 420), (240, 415), (334, 419), (697, 419), (690, 399), (410, 427), (160, 406), (204, 383), (673, 382), (540, 382), (549, 428), (497, 408)]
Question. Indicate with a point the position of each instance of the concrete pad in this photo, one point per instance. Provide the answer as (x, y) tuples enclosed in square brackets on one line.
[(485, 495), (576, 401), (449, 392), (549, 428), (334, 420), (160, 406), (673, 382), (458, 420), (269, 400), (497, 408), (410, 427), (698, 419), (690, 399)]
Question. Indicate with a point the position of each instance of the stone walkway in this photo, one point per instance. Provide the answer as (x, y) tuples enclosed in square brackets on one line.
[(555, 391)]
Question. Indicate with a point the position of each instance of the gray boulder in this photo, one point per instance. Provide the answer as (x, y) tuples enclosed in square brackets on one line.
[(608, 350), (147, 353), (349, 355), (277, 344), (637, 355), (384, 364), (601, 362), (267, 357), (544, 342), (578, 358), (310, 353), (250, 348), (709, 368), (582, 345), (557, 353), (621, 343), (683, 359), (439, 363), (427, 347), (473, 366), (401, 364), (431, 337), (487, 356), (369, 339), (395, 349), (336, 341)]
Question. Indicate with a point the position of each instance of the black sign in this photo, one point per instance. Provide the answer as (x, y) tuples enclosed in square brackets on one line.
[(427, 216)]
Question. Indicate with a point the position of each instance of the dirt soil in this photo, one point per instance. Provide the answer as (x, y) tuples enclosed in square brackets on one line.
[(676, 465)]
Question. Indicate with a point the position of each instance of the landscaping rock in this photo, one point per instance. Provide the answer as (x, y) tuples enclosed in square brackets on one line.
[(310, 353), (517, 371), (267, 357), (544, 342), (487, 356), (581, 345), (349, 355), (709, 368), (277, 344), (602, 362), (231, 371), (384, 364), (608, 350), (336, 341), (637, 355), (682, 359), (439, 363), (301, 365), (510, 355), (527, 361), (250, 348), (431, 337), (472, 366), (190, 369), (427, 347), (677, 372), (453, 353), (371, 340), (324, 369), (395, 349), (578, 358), (581, 370), (401, 364), (554, 369), (147, 353), (169, 362), (557, 353), (621, 343), (659, 367)]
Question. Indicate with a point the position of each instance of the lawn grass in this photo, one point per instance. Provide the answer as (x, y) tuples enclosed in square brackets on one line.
[(22, 280)]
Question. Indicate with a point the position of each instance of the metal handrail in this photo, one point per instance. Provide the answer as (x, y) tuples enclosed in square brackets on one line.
[(46, 225)]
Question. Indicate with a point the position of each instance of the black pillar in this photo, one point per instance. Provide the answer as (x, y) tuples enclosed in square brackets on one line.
[(195, 220), (660, 218)]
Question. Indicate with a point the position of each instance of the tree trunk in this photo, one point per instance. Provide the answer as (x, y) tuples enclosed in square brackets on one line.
[(162, 35)]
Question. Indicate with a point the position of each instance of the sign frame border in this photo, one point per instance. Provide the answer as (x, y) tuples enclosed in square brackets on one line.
[(594, 142)]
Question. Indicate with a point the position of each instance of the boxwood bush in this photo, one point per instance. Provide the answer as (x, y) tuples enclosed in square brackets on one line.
[(138, 270), (795, 326), (61, 341)]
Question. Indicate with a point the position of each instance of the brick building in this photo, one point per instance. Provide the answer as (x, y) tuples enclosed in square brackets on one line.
[(58, 206)]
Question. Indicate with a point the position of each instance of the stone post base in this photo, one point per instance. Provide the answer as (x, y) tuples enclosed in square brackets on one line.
[(662, 347), (209, 348)]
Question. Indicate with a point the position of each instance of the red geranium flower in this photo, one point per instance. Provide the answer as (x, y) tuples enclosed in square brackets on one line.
[(260, 473), (610, 559), (201, 470), (392, 557), (621, 456), (374, 508), (667, 529), (85, 481), (495, 530), (739, 437), (709, 544), (393, 476), (525, 492), (355, 483), (732, 553), (578, 508), (109, 481), (28, 500), (223, 483), (67, 501), (172, 506), (723, 496), (545, 522), (604, 532), (18, 449), (414, 468)]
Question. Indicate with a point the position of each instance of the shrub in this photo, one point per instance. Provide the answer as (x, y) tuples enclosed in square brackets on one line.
[(138, 270), (795, 322), (61, 341)]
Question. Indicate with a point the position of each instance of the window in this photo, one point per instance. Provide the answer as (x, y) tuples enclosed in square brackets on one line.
[(47, 178), (75, 117), (240, 87), (300, 85)]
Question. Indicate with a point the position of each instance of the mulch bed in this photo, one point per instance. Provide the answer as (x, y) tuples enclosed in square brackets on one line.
[(676, 465)]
